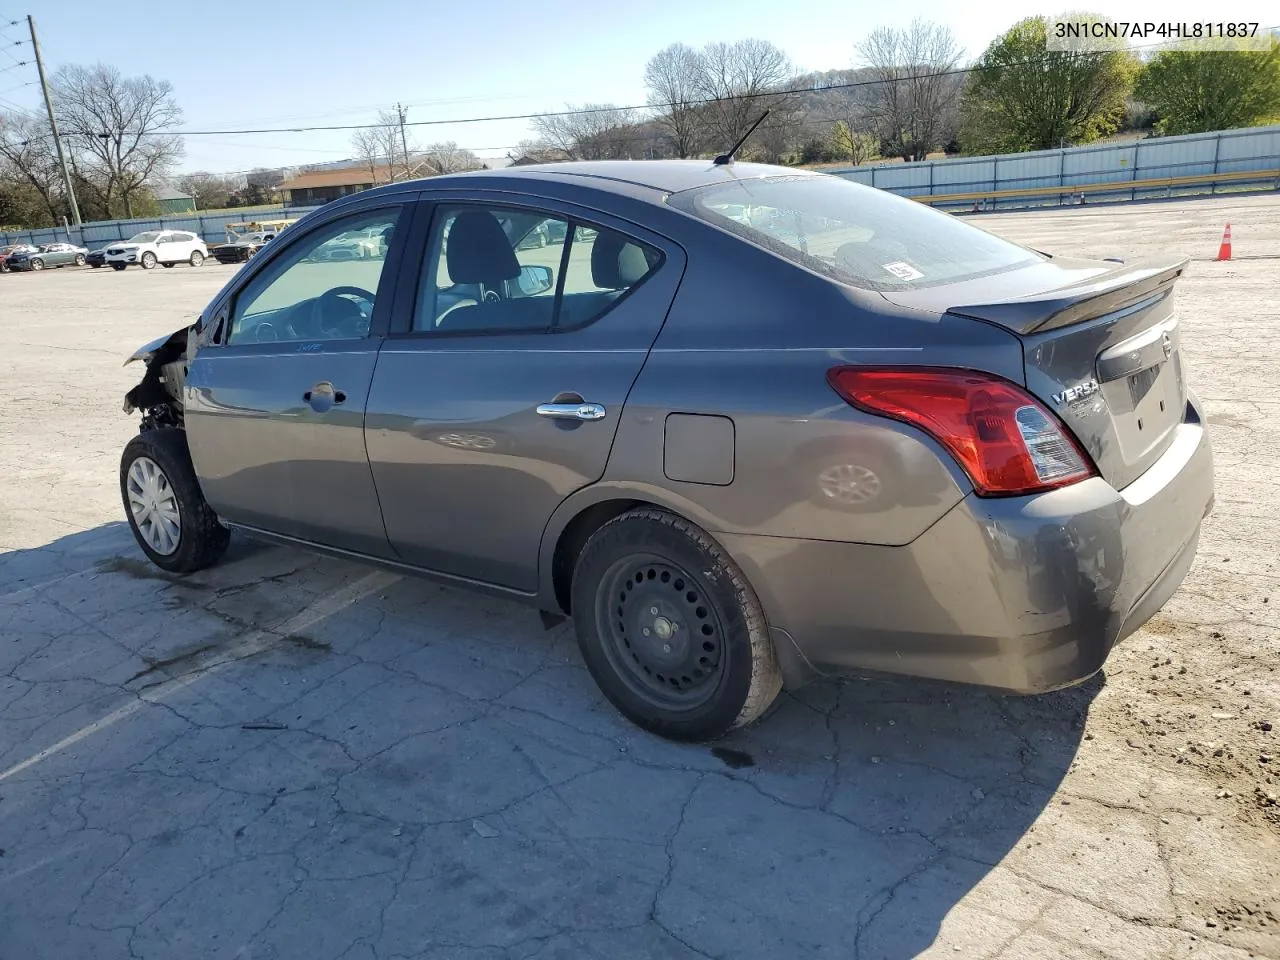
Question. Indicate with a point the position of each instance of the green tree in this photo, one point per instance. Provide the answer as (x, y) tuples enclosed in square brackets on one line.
[(1023, 96), (852, 145), (1196, 91)]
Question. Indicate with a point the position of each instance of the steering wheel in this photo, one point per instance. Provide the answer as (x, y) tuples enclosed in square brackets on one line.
[(334, 303)]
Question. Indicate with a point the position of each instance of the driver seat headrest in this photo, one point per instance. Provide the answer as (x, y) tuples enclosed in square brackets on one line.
[(478, 250)]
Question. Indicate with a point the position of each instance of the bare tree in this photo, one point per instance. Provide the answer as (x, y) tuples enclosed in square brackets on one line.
[(210, 191), (740, 81), (381, 150), (777, 136), (594, 131), (672, 77), (448, 157), (118, 127), (369, 146), (914, 104), (27, 157)]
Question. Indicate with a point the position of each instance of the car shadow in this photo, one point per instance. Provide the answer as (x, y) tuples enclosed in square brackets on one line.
[(855, 818)]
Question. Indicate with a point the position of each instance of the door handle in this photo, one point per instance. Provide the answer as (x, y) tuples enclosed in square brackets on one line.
[(572, 411), (323, 388)]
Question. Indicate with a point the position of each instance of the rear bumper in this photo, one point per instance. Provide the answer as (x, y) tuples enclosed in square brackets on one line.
[(1024, 595)]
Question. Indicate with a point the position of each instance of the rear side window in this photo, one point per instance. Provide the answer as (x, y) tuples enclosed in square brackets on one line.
[(853, 233), (493, 269)]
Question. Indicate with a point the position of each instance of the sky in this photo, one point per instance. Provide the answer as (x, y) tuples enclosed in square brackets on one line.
[(236, 64)]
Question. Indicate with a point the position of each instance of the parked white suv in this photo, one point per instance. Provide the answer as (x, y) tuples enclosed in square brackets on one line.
[(165, 247)]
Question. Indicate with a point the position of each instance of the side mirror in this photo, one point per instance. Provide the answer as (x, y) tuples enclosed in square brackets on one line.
[(535, 279)]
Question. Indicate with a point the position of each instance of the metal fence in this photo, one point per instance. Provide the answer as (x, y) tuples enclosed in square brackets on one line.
[(212, 227), (1207, 155), (1129, 166)]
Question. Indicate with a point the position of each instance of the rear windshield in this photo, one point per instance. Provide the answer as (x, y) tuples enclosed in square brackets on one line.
[(853, 233)]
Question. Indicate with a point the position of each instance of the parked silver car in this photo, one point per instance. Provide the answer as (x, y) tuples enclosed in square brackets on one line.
[(845, 432)]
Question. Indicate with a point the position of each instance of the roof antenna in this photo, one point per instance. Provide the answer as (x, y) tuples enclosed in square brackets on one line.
[(727, 158)]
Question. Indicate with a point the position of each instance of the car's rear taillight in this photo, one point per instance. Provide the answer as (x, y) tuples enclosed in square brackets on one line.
[(1005, 440)]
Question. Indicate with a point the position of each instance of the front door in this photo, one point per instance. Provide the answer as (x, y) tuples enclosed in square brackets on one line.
[(529, 328), (275, 413)]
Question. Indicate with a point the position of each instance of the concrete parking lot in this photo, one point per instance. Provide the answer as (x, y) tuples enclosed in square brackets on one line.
[(293, 757)]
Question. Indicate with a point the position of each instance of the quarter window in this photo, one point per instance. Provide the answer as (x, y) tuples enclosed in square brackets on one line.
[(322, 287), (494, 269)]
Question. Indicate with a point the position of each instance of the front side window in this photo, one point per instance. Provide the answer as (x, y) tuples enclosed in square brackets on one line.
[(853, 233), (149, 237), (493, 269), (307, 293)]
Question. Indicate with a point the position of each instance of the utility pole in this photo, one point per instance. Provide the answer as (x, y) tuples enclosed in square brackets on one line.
[(404, 142), (53, 126)]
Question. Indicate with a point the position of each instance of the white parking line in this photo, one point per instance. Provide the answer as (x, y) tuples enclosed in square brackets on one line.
[(253, 644)]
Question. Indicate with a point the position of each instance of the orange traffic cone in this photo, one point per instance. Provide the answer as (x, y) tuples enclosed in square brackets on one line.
[(1224, 248)]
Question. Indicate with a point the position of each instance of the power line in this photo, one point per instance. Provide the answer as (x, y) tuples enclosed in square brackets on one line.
[(704, 101)]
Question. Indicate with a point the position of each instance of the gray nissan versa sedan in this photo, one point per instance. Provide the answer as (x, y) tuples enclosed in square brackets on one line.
[(744, 425)]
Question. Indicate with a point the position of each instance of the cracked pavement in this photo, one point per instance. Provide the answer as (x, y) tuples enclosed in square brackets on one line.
[(293, 757)]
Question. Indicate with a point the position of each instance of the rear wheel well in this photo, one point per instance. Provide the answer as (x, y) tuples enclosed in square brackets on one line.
[(575, 536)]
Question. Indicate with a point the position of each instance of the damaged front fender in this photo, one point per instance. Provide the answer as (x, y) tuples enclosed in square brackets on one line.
[(160, 392), (147, 350)]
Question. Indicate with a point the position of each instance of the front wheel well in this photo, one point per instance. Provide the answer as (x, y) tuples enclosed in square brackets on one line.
[(575, 536)]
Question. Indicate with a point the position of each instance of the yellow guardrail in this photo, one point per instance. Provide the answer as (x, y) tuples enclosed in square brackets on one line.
[(1154, 183)]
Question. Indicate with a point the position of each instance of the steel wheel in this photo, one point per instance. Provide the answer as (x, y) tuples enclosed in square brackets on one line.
[(661, 634), (154, 506)]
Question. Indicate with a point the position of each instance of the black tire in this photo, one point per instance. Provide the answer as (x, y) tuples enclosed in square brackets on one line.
[(167, 266), (79, 259), (202, 539), (118, 266), (148, 260), (725, 672), (95, 265)]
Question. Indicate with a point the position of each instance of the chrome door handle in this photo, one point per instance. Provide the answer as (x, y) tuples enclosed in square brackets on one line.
[(572, 411)]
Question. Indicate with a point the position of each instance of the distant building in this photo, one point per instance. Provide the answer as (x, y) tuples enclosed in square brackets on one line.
[(315, 187), (174, 201)]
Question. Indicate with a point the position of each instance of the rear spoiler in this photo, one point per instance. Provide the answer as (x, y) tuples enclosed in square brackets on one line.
[(1132, 283)]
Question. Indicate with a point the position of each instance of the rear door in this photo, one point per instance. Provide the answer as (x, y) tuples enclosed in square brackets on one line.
[(275, 411), (502, 394)]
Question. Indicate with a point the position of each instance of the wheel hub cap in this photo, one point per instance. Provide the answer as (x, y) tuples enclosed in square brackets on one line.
[(154, 506)]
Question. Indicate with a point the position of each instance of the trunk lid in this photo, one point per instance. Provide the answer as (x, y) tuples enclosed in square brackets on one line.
[(1101, 349)]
